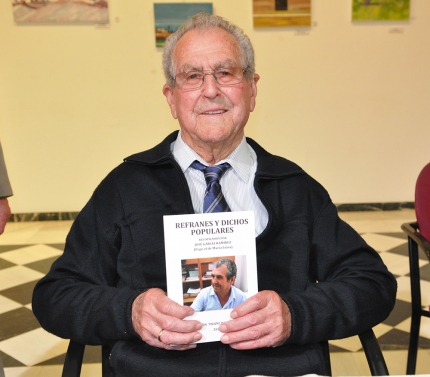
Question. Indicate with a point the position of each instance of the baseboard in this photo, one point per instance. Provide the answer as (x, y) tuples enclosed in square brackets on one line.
[(386, 206), (348, 207), (43, 216)]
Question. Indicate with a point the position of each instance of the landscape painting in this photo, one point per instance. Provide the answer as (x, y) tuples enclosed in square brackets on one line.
[(281, 13), (169, 16), (60, 11), (380, 10)]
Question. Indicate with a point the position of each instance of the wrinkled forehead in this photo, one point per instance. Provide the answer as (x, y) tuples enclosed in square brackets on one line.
[(206, 49)]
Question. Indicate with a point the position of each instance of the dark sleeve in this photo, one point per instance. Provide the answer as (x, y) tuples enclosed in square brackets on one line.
[(79, 297), (352, 290)]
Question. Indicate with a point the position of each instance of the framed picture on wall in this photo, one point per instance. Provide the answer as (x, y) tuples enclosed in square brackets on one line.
[(169, 16), (60, 11), (380, 10), (280, 13)]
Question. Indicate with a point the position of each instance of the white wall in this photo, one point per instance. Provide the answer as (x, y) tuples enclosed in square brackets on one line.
[(349, 102)]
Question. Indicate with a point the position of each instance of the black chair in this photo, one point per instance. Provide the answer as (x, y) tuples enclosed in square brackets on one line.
[(375, 359), (74, 356), (415, 242), (418, 238)]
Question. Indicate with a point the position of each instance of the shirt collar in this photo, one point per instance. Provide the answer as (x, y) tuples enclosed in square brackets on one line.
[(240, 159)]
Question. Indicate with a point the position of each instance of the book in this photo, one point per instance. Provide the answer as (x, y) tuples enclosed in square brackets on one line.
[(193, 243)]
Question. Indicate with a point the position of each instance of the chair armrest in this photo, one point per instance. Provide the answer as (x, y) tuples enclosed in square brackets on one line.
[(411, 229), (373, 353), (73, 362)]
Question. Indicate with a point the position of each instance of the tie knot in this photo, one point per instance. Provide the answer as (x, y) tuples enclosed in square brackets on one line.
[(214, 200), (212, 173)]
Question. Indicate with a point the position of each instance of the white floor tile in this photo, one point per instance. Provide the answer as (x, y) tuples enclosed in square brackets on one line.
[(404, 288), (88, 370), (34, 347), (17, 275), (382, 243), (398, 264), (378, 221), (424, 327), (30, 254), (8, 305), (32, 232)]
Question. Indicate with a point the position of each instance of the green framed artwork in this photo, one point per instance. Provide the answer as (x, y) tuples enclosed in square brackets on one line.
[(169, 16), (279, 13), (380, 10)]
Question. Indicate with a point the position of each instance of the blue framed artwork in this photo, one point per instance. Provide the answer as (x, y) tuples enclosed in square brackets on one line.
[(169, 16)]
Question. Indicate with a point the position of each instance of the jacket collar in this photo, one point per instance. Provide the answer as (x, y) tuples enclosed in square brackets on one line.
[(269, 166)]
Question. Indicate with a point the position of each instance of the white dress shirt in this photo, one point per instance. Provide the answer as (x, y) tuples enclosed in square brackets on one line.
[(237, 183)]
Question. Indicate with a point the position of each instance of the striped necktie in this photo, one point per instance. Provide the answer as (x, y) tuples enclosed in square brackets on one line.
[(214, 199)]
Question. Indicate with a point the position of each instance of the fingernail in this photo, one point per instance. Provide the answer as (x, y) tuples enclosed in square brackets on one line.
[(222, 328), (225, 339), (198, 336)]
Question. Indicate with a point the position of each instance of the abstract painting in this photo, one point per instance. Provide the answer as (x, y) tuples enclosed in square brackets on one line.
[(380, 10), (279, 13), (169, 16), (60, 11)]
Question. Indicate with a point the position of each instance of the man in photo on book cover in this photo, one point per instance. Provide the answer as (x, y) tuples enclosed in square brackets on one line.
[(317, 278), (221, 294)]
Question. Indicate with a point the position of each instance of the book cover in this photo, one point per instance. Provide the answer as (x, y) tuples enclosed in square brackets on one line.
[(193, 246)]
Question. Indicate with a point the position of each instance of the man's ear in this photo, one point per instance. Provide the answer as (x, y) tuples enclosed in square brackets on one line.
[(233, 278), (253, 84), (168, 92)]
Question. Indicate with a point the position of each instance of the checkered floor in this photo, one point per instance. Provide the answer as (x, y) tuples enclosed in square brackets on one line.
[(23, 343)]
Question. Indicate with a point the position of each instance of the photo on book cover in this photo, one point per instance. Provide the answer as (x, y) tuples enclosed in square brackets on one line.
[(211, 265)]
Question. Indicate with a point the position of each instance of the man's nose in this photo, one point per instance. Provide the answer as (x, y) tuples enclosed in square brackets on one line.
[(210, 85)]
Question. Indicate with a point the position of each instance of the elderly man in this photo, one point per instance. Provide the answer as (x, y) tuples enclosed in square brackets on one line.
[(317, 278), (222, 294)]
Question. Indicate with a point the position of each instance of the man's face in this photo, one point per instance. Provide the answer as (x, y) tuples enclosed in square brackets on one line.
[(212, 113), (220, 283)]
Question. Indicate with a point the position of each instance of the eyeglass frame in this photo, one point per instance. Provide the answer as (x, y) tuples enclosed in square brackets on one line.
[(210, 72)]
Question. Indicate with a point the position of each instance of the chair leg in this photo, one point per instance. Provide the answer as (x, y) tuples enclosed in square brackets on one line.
[(413, 344), (416, 306)]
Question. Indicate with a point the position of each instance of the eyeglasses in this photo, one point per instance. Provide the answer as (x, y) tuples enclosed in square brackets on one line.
[(223, 76)]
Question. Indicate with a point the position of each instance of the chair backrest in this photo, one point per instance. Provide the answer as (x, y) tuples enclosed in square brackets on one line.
[(422, 201)]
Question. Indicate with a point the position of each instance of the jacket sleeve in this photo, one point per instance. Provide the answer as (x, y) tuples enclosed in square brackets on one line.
[(351, 289), (81, 301)]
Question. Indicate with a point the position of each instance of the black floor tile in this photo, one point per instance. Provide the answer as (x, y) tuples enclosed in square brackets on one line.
[(5, 264), (20, 293), (400, 250), (334, 348), (399, 340), (18, 322), (4, 248), (401, 311), (42, 266), (59, 246), (9, 361)]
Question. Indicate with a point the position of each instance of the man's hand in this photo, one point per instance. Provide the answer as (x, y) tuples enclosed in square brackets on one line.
[(263, 320), (159, 321), (4, 213)]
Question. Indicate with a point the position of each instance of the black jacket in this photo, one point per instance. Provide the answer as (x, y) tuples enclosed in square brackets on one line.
[(334, 284)]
